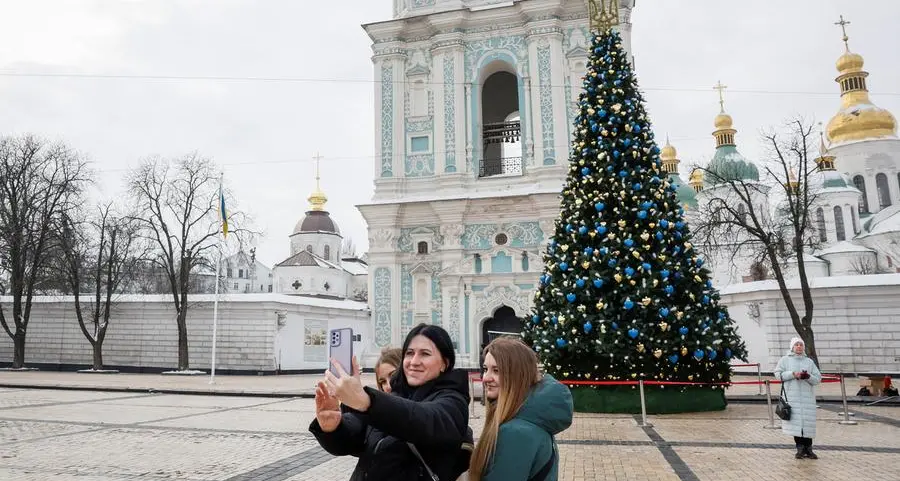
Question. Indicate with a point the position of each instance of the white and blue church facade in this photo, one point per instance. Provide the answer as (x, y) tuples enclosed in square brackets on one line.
[(474, 103)]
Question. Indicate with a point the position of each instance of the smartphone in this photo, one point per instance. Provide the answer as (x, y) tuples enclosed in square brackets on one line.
[(340, 348)]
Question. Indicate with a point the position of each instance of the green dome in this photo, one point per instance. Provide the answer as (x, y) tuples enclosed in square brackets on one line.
[(684, 192), (729, 164)]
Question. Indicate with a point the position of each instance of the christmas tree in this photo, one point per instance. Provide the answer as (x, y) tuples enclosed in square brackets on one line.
[(624, 295)]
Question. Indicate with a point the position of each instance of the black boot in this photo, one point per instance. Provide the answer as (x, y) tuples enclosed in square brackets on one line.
[(801, 452), (809, 452)]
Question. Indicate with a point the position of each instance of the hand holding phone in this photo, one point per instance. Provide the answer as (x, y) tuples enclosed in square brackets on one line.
[(340, 349)]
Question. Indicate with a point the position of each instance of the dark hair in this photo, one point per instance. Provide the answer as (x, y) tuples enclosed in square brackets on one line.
[(438, 336)]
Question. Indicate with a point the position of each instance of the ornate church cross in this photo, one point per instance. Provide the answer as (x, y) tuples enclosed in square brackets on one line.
[(721, 88), (843, 23)]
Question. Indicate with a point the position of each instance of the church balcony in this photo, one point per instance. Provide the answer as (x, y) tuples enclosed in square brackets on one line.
[(502, 149), (505, 166)]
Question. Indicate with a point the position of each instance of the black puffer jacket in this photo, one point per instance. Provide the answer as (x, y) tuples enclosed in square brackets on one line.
[(434, 417)]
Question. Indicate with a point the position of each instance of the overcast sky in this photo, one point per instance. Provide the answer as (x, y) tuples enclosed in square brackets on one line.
[(777, 58)]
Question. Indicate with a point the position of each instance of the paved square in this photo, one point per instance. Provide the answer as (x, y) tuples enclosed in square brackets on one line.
[(69, 435)]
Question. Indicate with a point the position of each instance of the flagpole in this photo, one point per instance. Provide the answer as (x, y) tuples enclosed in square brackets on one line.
[(223, 217), (212, 377)]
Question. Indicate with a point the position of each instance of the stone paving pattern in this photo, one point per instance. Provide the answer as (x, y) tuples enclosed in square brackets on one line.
[(67, 435)]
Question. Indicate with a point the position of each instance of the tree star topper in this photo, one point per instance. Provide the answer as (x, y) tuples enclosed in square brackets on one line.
[(603, 14)]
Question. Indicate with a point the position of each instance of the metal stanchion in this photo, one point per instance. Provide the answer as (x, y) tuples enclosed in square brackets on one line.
[(759, 378), (771, 424), (644, 423), (472, 413), (847, 420)]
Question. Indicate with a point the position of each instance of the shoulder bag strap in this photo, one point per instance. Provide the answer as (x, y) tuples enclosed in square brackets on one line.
[(544, 472), (783, 393), (412, 447)]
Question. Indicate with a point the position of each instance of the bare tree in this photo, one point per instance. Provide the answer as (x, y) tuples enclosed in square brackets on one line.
[(865, 266), (177, 205), (40, 181), (735, 222), (98, 255), (348, 249)]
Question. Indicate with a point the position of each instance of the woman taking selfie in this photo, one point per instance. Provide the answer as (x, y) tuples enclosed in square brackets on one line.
[(414, 432), (799, 375), (524, 411)]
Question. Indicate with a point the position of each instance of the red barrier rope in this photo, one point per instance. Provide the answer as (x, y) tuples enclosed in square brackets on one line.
[(826, 378)]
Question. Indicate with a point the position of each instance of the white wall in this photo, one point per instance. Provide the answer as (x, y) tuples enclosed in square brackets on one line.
[(143, 332), (856, 321)]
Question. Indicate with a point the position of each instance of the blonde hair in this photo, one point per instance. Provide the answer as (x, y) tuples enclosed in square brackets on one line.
[(515, 361), (392, 356)]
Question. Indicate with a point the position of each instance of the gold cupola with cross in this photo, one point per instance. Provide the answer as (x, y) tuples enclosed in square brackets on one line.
[(858, 118)]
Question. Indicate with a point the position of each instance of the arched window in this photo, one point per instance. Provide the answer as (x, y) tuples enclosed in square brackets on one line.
[(854, 219), (839, 223), (820, 225), (327, 253), (884, 192), (860, 183), (309, 249), (422, 247), (742, 213)]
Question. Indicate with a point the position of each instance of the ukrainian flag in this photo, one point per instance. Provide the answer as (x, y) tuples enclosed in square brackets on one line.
[(222, 212)]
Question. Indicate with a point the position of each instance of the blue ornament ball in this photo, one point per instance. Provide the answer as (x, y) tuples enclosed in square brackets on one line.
[(588, 327), (598, 283), (683, 331), (633, 333), (628, 304), (664, 312), (642, 214), (615, 326), (601, 229), (535, 319), (673, 358), (585, 170), (646, 266), (611, 263), (579, 282), (712, 355), (698, 354), (570, 297), (563, 266), (629, 242), (582, 230), (629, 271), (599, 206), (560, 342), (727, 353)]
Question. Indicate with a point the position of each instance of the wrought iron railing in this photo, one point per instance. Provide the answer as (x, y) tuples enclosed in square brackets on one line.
[(508, 165)]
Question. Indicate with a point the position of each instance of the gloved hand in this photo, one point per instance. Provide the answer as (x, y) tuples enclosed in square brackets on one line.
[(804, 375)]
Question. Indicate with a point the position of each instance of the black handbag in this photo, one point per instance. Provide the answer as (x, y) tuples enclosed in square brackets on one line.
[(783, 409)]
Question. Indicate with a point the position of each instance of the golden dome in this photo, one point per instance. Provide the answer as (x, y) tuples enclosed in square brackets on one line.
[(849, 63), (696, 177), (668, 152), (723, 121), (861, 121), (858, 118), (317, 200)]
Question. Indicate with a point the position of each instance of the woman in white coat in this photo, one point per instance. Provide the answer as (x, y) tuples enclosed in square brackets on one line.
[(799, 375)]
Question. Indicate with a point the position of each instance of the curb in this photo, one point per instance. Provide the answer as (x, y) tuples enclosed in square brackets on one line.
[(183, 392)]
